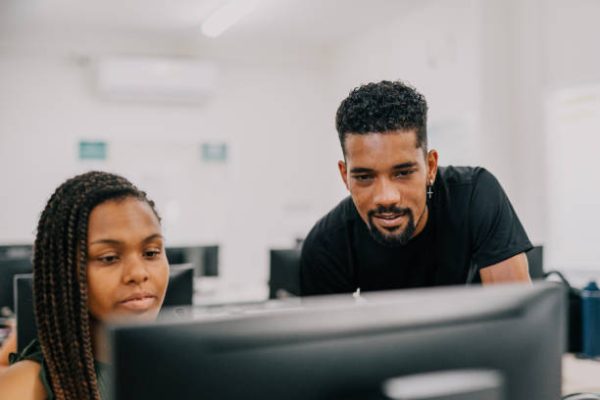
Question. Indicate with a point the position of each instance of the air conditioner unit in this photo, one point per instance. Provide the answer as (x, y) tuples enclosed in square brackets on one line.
[(156, 79)]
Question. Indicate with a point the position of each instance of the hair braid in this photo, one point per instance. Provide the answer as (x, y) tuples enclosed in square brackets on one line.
[(60, 280)]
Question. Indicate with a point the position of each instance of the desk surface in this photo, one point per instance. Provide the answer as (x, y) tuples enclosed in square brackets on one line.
[(580, 375)]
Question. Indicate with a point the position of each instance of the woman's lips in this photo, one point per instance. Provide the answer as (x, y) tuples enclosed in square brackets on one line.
[(138, 302)]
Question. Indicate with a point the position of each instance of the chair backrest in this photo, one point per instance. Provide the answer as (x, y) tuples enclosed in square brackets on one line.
[(179, 292), (284, 273)]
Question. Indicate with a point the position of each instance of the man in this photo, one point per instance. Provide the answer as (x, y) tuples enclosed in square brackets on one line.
[(408, 223)]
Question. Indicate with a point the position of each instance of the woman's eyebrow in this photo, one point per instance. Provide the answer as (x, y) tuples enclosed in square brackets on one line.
[(154, 236), (149, 238)]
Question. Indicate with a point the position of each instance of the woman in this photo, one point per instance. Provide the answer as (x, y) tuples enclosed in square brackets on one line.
[(98, 256)]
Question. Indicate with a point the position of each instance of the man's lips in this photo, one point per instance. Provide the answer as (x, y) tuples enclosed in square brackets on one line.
[(388, 220)]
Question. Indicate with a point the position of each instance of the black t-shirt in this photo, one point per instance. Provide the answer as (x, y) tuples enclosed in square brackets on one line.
[(471, 225)]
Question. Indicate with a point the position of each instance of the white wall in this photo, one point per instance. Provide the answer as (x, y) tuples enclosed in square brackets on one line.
[(572, 91), (272, 114), (493, 73), (487, 69)]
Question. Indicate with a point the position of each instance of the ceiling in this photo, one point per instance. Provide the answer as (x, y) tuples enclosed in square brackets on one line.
[(305, 22)]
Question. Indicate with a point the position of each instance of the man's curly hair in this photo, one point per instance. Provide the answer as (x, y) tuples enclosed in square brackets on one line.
[(382, 107)]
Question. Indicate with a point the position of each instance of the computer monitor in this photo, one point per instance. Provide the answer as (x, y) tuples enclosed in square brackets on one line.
[(204, 258), (12, 251), (284, 273), (180, 291), (9, 267), (535, 259), (26, 328), (341, 348)]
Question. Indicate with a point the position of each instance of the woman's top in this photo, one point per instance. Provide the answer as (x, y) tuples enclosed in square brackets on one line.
[(33, 352)]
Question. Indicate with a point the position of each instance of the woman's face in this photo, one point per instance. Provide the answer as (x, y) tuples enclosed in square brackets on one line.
[(127, 271)]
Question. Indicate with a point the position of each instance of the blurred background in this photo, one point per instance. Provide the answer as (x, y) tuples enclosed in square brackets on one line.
[(227, 120)]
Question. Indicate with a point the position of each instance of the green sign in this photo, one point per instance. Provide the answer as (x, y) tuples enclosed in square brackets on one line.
[(214, 152), (92, 150)]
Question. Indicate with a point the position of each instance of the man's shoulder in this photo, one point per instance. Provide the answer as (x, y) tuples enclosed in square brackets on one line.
[(333, 223), (464, 175)]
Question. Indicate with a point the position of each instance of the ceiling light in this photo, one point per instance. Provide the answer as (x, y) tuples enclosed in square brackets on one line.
[(226, 16)]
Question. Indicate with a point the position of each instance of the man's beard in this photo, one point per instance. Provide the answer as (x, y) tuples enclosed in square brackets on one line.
[(392, 239)]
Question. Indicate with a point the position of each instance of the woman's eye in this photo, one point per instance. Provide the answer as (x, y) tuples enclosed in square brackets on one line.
[(109, 259), (152, 253)]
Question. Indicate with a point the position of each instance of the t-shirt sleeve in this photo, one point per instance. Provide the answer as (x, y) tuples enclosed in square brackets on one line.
[(496, 232), (322, 266)]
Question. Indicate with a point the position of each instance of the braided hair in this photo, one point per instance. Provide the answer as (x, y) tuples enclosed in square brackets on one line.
[(60, 280)]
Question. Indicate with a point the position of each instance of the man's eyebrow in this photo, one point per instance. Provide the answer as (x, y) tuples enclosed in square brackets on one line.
[(360, 170), (117, 242), (409, 164)]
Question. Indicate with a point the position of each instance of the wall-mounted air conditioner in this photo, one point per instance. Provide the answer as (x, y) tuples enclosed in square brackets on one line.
[(156, 79)]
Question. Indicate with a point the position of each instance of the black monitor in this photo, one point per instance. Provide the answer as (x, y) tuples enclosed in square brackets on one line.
[(204, 258), (180, 291), (12, 251), (343, 348), (9, 267), (284, 273), (535, 259), (26, 328)]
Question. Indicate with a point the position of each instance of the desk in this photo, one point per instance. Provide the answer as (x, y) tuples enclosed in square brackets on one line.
[(580, 375)]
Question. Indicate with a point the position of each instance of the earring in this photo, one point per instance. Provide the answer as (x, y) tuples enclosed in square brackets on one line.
[(429, 190)]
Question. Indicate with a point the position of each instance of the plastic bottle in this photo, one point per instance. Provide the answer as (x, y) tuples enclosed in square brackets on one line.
[(590, 315)]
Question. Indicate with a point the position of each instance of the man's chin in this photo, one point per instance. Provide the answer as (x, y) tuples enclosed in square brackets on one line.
[(394, 237)]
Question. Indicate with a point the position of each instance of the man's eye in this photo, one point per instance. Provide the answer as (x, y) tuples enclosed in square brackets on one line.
[(405, 173), (363, 178)]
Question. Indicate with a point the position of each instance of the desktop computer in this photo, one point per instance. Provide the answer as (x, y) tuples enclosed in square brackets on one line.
[(339, 347)]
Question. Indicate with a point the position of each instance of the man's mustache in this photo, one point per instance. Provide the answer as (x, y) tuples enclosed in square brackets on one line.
[(389, 210)]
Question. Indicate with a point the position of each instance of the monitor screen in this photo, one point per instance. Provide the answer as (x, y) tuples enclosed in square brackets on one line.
[(204, 258), (284, 273), (535, 259), (12, 251), (10, 267), (340, 348), (180, 291), (26, 328)]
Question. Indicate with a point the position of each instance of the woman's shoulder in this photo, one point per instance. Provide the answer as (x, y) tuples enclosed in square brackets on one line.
[(22, 381)]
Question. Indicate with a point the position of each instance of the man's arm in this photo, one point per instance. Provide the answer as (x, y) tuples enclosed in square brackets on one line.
[(498, 237), (513, 269)]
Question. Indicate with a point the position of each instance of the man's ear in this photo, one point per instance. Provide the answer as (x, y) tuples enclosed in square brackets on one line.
[(343, 173), (432, 165)]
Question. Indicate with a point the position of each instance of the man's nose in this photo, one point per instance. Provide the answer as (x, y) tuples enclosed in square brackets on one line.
[(387, 193)]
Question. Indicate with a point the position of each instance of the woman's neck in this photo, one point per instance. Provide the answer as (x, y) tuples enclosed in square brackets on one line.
[(99, 341)]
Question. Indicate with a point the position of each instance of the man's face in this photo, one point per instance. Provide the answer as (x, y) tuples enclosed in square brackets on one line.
[(387, 176)]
